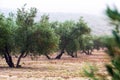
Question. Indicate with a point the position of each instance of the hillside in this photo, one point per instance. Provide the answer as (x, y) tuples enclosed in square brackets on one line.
[(98, 24)]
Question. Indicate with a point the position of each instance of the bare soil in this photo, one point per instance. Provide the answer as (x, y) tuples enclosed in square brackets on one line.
[(66, 68)]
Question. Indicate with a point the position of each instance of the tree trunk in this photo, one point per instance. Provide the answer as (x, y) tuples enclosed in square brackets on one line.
[(9, 61), (47, 56), (25, 55), (76, 54), (71, 54), (60, 55), (86, 52), (18, 62), (8, 58)]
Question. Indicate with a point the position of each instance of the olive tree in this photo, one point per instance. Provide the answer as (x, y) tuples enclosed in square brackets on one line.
[(22, 35), (70, 33), (82, 33), (44, 37), (86, 44), (6, 38), (63, 30), (25, 21)]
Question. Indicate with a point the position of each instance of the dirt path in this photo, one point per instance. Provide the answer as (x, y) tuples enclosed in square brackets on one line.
[(65, 69)]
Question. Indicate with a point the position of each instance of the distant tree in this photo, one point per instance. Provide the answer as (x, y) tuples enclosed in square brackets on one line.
[(99, 42), (79, 32), (69, 33), (86, 45), (63, 30), (45, 39)]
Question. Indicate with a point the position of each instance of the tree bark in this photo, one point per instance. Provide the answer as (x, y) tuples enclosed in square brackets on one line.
[(19, 59), (8, 57), (9, 61), (25, 55), (47, 56), (70, 53), (76, 54), (60, 55)]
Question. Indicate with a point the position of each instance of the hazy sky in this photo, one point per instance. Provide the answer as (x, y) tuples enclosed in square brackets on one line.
[(95, 7)]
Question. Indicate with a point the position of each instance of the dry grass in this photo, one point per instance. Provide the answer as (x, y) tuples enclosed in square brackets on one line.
[(66, 68)]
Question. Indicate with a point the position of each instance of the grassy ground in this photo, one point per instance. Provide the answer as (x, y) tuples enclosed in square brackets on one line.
[(66, 68)]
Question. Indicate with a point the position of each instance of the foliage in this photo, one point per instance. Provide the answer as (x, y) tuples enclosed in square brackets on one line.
[(70, 33), (45, 39), (20, 35), (91, 72), (114, 52), (67, 41), (86, 44), (25, 21), (113, 49), (6, 38), (114, 16), (6, 31), (81, 28), (113, 45)]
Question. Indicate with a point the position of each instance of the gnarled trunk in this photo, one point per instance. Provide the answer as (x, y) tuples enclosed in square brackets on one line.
[(9, 61), (18, 62), (87, 52), (8, 58), (47, 56), (60, 55), (70, 53), (25, 54)]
